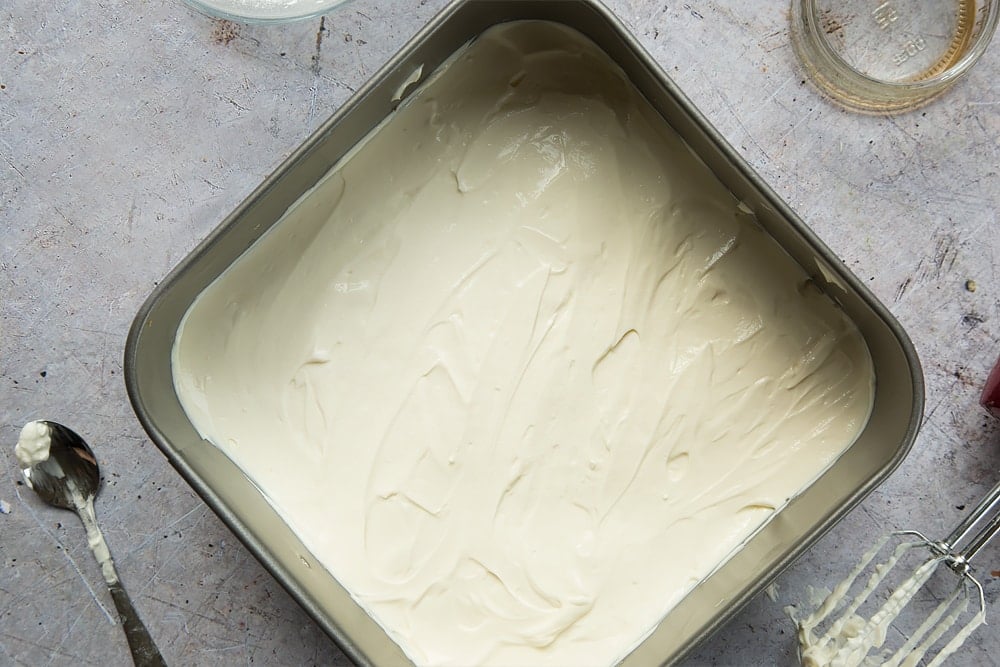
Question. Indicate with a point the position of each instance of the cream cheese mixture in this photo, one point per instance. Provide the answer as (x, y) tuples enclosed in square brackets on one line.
[(520, 372)]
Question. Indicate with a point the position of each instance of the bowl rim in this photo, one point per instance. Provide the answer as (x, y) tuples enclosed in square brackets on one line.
[(223, 9)]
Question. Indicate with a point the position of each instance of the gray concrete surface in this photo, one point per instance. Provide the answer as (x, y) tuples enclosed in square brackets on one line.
[(128, 129)]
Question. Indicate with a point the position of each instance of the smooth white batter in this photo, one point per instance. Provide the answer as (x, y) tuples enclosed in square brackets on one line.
[(520, 371)]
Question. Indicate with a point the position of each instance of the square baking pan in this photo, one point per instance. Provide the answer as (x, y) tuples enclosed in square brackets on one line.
[(881, 447)]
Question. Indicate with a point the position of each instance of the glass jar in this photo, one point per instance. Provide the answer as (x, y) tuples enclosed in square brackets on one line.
[(886, 56)]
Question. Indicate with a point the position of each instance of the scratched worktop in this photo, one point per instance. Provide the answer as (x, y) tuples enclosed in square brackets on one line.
[(128, 130)]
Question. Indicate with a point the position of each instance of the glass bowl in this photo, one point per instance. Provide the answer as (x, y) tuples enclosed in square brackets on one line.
[(893, 55), (264, 11)]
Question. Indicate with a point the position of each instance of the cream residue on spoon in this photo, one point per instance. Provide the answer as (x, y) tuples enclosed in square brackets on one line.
[(519, 371), (32, 447)]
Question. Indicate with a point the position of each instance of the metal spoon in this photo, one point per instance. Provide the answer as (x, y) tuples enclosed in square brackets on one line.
[(67, 476)]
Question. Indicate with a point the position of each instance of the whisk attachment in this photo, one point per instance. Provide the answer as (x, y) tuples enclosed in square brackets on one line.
[(849, 638)]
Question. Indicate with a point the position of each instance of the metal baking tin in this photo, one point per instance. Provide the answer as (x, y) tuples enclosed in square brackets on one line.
[(881, 447)]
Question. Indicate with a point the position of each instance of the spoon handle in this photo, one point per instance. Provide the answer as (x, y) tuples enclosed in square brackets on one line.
[(144, 651)]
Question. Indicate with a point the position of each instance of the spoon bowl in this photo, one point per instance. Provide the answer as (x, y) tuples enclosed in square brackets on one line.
[(70, 461), (60, 467)]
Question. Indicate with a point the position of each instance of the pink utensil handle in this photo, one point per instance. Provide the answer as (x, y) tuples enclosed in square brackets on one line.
[(991, 392)]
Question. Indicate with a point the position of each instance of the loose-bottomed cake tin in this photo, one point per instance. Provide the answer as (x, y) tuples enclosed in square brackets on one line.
[(880, 448)]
